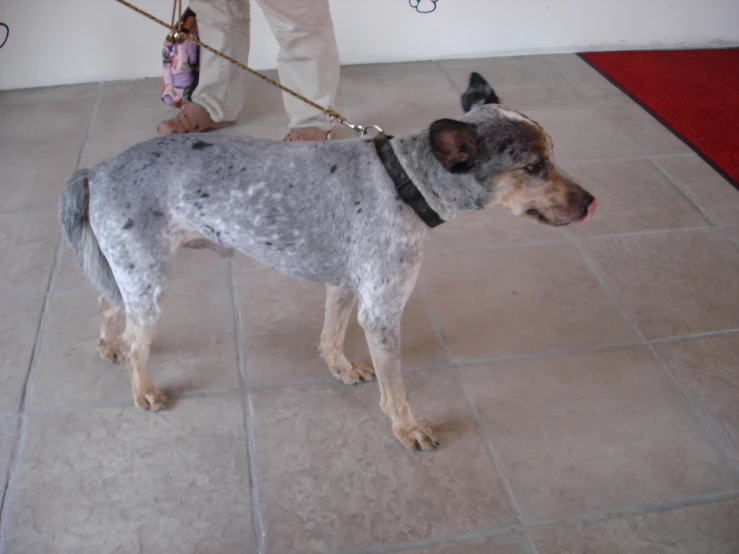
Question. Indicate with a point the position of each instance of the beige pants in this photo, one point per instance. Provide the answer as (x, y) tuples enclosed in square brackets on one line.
[(308, 61)]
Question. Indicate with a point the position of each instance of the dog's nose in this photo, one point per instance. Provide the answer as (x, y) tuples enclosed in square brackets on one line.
[(588, 204), (585, 203)]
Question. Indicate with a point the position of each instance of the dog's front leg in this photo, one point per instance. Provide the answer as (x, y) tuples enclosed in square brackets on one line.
[(380, 320)]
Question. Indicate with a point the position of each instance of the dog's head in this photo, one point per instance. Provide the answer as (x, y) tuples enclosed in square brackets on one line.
[(512, 156)]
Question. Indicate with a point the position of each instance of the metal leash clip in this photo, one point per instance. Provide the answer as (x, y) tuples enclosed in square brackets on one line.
[(361, 129)]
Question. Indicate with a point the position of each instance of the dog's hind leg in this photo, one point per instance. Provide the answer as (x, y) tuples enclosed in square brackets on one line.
[(339, 305), (142, 297), (138, 334), (110, 331), (380, 314)]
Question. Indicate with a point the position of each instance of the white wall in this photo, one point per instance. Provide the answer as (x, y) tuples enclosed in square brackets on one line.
[(72, 41)]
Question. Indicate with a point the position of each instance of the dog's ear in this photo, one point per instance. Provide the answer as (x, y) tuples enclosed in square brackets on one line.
[(478, 92), (454, 143)]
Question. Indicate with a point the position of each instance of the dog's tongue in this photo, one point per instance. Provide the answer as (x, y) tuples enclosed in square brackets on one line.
[(591, 211)]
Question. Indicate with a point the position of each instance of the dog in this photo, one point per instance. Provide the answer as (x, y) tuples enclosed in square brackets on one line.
[(352, 214)]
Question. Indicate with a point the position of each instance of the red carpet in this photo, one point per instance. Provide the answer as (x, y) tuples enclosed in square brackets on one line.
[(695, 93)]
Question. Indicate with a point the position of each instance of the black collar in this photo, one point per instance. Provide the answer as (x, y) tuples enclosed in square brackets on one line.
[(407, 191)]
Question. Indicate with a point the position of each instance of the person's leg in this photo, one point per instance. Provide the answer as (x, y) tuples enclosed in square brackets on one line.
[(220, 93), (308, 61)]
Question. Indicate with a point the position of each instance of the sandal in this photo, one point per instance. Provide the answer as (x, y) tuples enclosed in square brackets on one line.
[(191, 119), (307, 134)]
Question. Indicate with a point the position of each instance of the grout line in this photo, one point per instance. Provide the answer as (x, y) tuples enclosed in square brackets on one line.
[(567, 237), (444, 540), (487, 440), (444, 363), (644, 233), (586, 161), (503, 529), (482, 432), (466, 362), (651, 158), (705, 421), (707, 334), (123, 404), (448, 77), (93, 117), (531, 544), (249, 420), (684, 192), (20, 437), (733, 240), (330, 379), (643, 509)]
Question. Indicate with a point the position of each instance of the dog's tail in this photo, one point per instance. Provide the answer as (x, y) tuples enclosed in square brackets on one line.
[(75, 221)]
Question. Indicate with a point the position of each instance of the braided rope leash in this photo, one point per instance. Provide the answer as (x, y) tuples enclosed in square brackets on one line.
[(330, 112)]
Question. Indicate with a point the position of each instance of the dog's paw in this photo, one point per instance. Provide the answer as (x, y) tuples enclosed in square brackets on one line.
[(357, 373), (416, 436), (110, 352), (152, 400)]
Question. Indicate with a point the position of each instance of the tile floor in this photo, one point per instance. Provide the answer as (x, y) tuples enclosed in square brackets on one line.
[(583, 381)]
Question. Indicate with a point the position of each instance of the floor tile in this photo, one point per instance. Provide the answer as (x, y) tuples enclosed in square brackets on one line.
[(519, 300), (332, 475), (121, 480), (633, 196), (283, 318), (521, 82), (33, 124), (36, 176), (494, 226), (646, 131), (707, 370), (49, 94), (27, 245), (507, 544), (704, 529), (673, 283), (381, 95), (581, 134), (194, 348), (19, 321), (593, 433), (706, 187), (130, 110), (99, 150), (587, 81)]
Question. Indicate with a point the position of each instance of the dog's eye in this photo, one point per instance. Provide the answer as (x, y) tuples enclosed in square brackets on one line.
[(536, 168)]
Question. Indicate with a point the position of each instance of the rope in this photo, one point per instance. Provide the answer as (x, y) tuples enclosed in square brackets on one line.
[(332, 113)]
